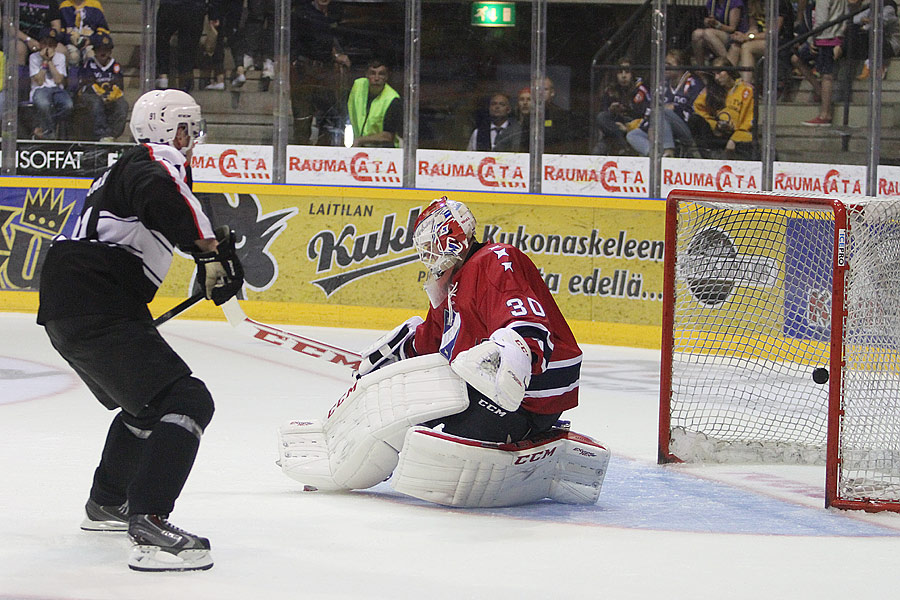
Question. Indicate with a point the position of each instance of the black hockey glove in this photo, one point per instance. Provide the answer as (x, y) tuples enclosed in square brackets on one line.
[(220, 273)]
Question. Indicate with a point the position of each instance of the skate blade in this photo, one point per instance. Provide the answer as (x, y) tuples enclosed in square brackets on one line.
[(153, 558), (91, 525)]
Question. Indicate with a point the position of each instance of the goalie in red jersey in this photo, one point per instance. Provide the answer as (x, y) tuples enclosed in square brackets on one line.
[(493, 292), (468, 399)]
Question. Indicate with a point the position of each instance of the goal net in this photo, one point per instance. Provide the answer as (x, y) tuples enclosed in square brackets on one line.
[(781, 337)]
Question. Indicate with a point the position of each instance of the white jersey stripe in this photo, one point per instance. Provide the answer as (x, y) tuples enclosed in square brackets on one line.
[(131, 234), (548, 393), (173, 161), (556, 364)]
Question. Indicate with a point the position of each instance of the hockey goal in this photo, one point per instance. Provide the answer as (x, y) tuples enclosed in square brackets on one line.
[(781, 337)]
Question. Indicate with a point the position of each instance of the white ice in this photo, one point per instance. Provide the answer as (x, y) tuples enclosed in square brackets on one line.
[(719, 532)]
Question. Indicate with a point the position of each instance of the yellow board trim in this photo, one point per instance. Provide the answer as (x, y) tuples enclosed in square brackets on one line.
[(418, 195)]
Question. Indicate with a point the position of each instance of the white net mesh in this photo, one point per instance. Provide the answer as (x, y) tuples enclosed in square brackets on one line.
[(752, 322), (870, 426), (746, 337)]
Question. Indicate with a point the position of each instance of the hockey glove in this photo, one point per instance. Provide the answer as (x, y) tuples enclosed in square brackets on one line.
[(389, 348), (220, 273), (499, 368)]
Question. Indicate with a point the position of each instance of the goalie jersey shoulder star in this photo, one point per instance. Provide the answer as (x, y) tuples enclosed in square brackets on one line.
[(501, 252)]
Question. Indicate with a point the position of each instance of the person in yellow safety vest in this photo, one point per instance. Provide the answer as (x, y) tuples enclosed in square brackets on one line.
[(723, 115), (375, 110)]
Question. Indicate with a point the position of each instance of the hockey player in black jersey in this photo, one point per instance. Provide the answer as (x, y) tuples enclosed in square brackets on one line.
[(94, 291)]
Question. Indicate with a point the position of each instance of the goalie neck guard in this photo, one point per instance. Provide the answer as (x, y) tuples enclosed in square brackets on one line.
[(443, 234)]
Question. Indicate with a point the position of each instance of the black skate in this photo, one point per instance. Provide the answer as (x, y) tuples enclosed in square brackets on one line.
[(105, 518), (160, 546)]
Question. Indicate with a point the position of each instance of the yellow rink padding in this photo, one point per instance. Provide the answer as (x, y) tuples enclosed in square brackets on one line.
[(609, 295)]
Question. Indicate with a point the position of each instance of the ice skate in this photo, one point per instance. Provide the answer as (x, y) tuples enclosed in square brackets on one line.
[(160, 546), (105, 518)]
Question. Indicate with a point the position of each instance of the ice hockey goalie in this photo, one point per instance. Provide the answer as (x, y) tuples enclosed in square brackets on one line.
[(462, 407)]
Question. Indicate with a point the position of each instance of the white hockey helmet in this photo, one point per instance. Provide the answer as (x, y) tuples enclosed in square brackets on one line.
[(157, 115), (443, 235)]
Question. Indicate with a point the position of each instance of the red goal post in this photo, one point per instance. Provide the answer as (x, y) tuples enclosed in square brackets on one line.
[(764, 295)]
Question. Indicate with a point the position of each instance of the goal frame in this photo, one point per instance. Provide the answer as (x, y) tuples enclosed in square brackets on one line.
[(840, 266)]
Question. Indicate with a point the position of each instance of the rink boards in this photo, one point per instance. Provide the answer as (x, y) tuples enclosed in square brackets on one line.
[(343, 256)]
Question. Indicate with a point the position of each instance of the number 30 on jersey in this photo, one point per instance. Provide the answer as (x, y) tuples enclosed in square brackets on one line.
[(518, 308)]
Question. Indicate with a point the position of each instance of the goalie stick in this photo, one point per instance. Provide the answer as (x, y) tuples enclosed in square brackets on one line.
[(288, 339)]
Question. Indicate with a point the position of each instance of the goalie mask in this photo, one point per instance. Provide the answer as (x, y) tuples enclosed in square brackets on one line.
[(158, 114), (443, 234)]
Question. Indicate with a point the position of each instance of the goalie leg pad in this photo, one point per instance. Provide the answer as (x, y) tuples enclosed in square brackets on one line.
[(460, 472), (580, 470), (303, 454), (364, 430)]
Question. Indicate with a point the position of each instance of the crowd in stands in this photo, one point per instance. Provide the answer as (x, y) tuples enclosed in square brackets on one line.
[(65, 53), (709, 107)]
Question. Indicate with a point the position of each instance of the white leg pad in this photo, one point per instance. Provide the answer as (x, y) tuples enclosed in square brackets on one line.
[(454, 471), (356, 445), (303, 454)]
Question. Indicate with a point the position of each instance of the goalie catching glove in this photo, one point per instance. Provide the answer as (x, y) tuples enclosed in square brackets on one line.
[(220, 273), (499, 368)]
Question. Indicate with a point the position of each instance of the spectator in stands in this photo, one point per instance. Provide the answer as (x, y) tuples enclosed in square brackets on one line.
[(723, 18), (681, 92), (723, 115), (523, 116), (748, 47), (500, 133), (258, 41), (805, 53), (52, 102), (80, 20), (375, 109), (320, 70), (34, 17), (828, 48), (227, 33), (561, 132), (857, 39), (622, 106), (101, 90), (185, 18)]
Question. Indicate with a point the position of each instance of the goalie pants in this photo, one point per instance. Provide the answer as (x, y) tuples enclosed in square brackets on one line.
[(151, 444), (486, 421)]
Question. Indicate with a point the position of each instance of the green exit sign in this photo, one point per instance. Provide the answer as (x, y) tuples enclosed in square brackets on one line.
[(494, 14)]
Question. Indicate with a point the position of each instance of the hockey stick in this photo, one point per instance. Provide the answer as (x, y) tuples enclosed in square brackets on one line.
[(180, 308), (288, 339)]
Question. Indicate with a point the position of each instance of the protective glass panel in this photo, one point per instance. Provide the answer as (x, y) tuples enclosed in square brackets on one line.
[(475, 58), (347, 70)]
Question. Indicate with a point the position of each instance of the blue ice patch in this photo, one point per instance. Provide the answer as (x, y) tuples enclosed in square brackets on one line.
[(644, 496)]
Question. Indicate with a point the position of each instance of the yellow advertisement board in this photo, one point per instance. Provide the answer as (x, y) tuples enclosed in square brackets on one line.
[(345, 257)]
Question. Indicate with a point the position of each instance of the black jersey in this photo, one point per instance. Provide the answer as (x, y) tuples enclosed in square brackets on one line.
[(121, 249)]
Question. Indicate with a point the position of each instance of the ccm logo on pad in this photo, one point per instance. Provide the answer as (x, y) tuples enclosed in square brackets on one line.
[(541, 455)]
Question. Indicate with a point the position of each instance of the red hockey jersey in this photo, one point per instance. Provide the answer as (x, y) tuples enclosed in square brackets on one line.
[(498, 286)]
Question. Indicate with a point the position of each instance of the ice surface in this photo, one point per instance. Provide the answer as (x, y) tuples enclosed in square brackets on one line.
[(676, 532)]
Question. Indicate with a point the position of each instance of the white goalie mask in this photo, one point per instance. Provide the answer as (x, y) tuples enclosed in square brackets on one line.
[(157, 115), (443, 234)]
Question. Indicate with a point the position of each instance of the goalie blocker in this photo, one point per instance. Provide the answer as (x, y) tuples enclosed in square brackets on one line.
[(359, 445)]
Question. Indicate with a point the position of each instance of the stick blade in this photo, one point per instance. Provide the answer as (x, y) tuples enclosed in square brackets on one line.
[(323, 353)]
